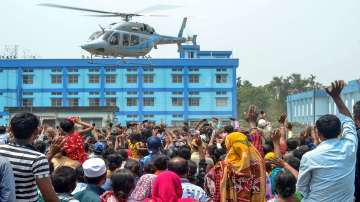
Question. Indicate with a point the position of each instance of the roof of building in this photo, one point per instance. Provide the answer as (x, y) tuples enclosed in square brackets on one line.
[(61, 109)]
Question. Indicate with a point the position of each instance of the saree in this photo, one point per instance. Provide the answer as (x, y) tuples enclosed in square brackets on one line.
[(241, 176)]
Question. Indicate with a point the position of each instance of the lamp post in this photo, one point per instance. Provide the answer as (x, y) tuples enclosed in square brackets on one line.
[(314, 90)]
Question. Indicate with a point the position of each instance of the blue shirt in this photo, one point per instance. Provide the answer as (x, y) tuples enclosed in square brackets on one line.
[(327, 173), (7, 181), (193, 191)]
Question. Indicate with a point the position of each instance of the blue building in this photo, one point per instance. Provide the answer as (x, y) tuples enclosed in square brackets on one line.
[(300, 106), (199, 84)]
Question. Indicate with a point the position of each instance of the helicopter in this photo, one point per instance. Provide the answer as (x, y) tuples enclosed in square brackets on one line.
[(127, 38)]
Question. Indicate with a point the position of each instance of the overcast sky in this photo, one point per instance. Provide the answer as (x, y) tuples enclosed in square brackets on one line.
[(270, 37)]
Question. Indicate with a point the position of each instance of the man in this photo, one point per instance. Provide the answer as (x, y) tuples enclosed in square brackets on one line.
[(327, 173), (7, 182), (153, 146), (95, 177), (357, 172), (31, 168), (180, 166), (64, 180), (4, 136)]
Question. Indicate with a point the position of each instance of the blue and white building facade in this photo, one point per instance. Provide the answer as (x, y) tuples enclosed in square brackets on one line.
[(300, 107), (199, 84)]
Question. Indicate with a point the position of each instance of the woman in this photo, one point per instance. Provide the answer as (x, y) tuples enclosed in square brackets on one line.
[(143, 188), (241, 176), (167, 188), (122, 182)]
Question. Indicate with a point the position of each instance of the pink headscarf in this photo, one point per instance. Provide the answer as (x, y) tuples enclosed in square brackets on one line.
[(167, 188)]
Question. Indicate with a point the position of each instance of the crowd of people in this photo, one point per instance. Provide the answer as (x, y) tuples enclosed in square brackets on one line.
[(77, 161)]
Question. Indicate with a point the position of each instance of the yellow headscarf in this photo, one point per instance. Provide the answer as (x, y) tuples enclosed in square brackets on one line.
[(245, 160)]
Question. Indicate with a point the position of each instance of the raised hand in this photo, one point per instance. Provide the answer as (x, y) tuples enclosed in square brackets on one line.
[(251, 115), (336, 87), (282, 118), (275, 135)]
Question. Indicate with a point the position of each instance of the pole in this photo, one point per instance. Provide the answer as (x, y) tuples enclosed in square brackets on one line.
[(314, 92)]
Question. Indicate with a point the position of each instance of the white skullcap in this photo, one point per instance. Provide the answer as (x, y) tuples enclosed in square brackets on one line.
[(262, 123), (94, 167)]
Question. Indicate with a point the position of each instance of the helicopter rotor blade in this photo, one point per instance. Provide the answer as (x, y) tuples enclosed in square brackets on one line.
[(156, 8), (77, 8)]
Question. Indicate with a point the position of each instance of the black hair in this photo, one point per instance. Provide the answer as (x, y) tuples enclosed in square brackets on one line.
[(133, 166), (160, 162), (285, 184), (329, 126), (114, 161), (268, 148), (124, 154), (40, 146), (289, 126), (95, 180), (356, 110), (64, 179), (293, 162), (192, 169), (216, 152), (80, 174), (122, 183), (185, 152), (23, 125), (67, 125), (300, 151), (2, 129), (229, 129), (178, 165), (292, 143), (149, 168)]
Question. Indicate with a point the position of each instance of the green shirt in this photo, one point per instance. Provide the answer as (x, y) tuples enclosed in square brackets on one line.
[(90, 194)]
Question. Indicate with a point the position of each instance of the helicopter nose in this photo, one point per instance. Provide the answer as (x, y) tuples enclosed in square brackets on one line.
[(93, 47)]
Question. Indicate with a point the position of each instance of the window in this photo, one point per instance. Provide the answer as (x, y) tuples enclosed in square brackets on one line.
[(221, 101), (148, 69), (73, 78), (193, 78), (148, 78), (110, 78), (94, 102), (131, 101), (73, 102), (56, 70), (134, 116), (221, 69), (110, 101), (72, 70), (56, 102), (27, 93), (93, 78), (135, 40), (27, 102), (94, 93), (131, 93), (221, 78), (177, 101), (177, 115), (177, 93), (177, 69), (193, 93), (114, 39), (27, 70), (110, 69), (193, 69), (56, 79), (149, 116), (73, 93), (190, 54), (131, 69), (148, 93), (56, 93), (149, 101), (131, 78), (177, 78), (28, 79), (93, 70), (126, 39), (194, 101), (221, 93), (110, 93)]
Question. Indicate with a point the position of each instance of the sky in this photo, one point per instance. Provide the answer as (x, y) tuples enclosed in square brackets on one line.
[(269, 37)]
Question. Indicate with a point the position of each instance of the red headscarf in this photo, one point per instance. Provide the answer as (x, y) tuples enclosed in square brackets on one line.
[(167, 188)]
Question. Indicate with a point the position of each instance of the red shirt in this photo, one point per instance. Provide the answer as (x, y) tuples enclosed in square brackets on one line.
[(74, 147)]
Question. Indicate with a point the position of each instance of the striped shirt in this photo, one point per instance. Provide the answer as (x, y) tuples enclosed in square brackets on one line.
[(27, 165)]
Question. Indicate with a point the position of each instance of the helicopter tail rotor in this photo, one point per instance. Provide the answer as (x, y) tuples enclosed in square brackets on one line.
[(183, 25)]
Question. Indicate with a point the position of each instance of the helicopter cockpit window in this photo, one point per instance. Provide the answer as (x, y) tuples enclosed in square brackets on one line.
[(114, 39), (135, 40), (106, 35), (126, 39), (95, 35)]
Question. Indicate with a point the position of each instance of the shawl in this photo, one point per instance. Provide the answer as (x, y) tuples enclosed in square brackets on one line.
[(143, 188)]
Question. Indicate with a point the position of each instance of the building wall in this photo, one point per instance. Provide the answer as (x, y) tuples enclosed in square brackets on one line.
[(300, 106), (15, 92)]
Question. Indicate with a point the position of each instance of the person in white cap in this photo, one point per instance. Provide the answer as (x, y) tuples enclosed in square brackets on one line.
[(95, 176)]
